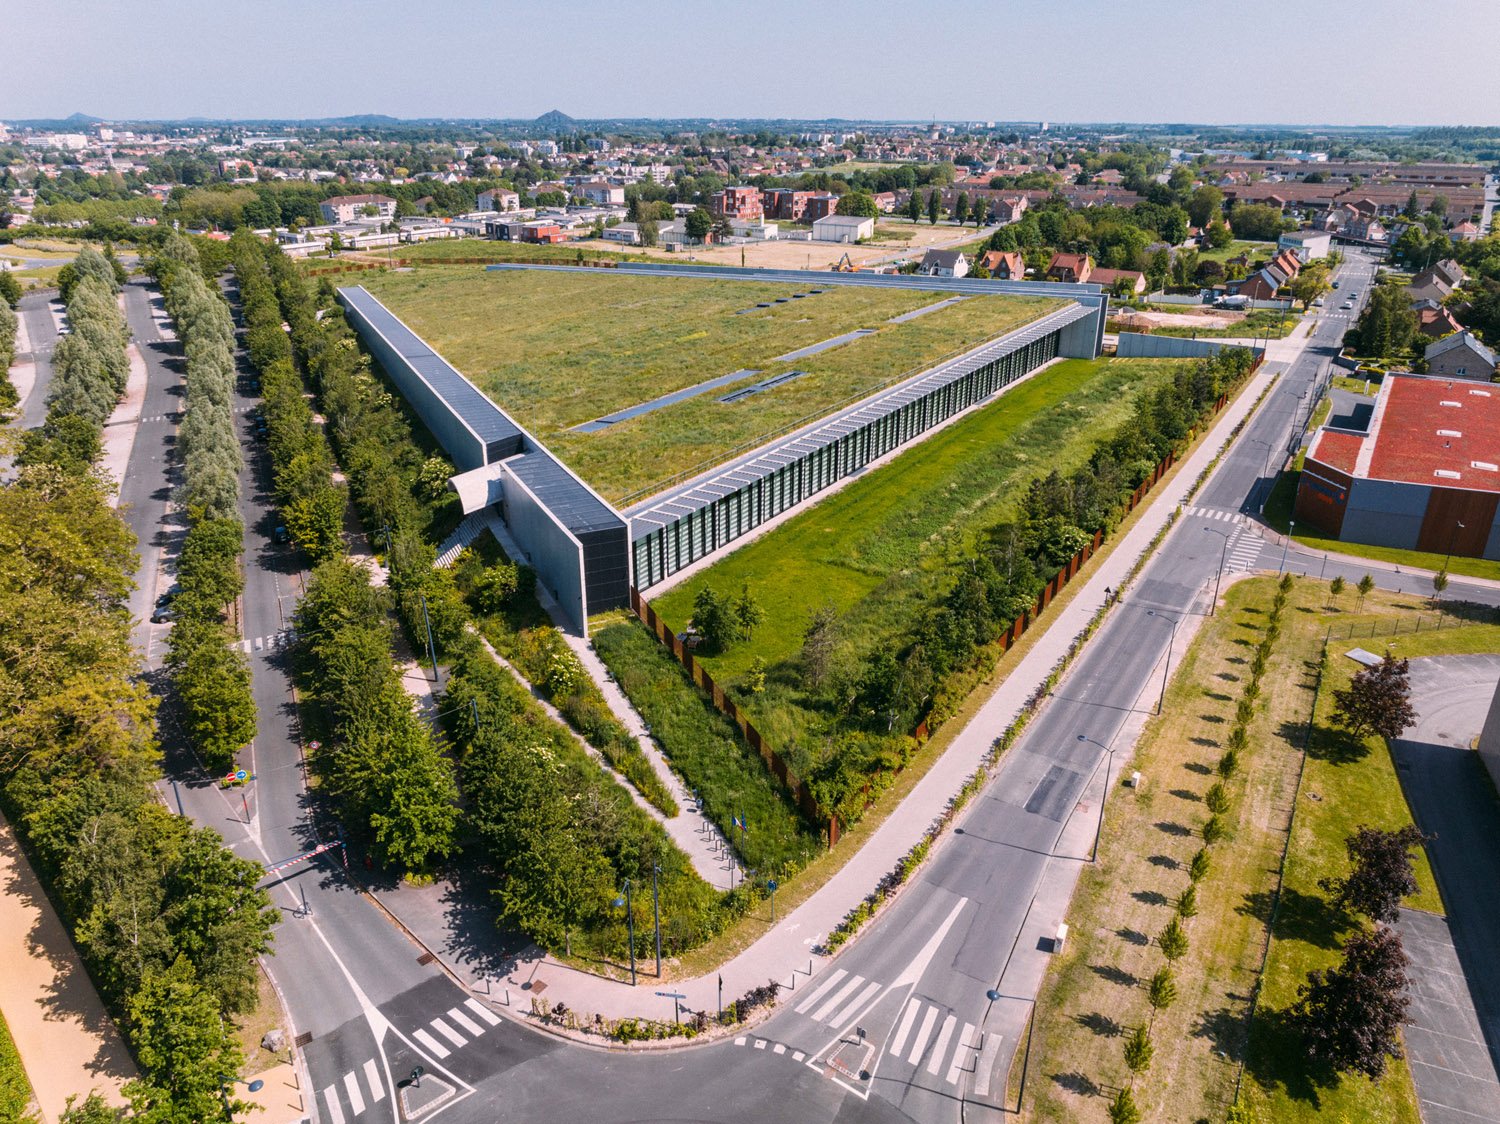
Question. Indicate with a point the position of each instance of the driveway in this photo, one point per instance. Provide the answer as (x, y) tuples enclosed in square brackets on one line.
[(1453, 1028)]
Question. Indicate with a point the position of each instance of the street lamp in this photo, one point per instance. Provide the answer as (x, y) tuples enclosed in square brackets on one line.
[(1099, 827), (1452, 538), (1223, 554), (629, 925), (226, 1083), (656, 916), (1166, 670), (1291, 525), (771, 885)]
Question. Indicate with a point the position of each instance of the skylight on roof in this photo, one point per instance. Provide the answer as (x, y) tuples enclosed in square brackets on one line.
[(1480, 393), (1449, 433), (1450, 402), (1446, 474), (1484, 466)]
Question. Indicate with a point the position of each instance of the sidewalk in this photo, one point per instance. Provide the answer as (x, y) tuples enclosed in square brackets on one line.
[(787, 949), (66, 1039), (125, 421)]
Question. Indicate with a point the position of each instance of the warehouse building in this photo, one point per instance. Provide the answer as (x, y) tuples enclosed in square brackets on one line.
[(1422, 476)]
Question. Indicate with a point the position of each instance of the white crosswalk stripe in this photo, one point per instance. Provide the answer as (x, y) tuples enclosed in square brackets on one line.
[(838, 997), (356, 1098), (919, 1044), (437, 1049), (854, 1005), (962, 1053), (372, 1079), (482, 1011), (449, 1033), (335, 1108), (817, 993), (465, 1022), (913, 1006), (965, 1044), (935, 1061)]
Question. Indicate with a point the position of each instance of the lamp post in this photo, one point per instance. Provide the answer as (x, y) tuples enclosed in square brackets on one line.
[(1166, 672), (1099, 827), (771, 885), (629, 926), (656, 916), (1291, 525), (226, 1083), (1452, 538), (1223, 554), (431, 648)]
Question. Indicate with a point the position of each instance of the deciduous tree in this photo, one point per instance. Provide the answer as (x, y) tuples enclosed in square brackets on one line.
[(1382, 876), (1377, 700), (1350, 1016)]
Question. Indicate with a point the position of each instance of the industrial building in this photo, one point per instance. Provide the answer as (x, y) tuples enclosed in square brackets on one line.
[(587, 553), (1421, 476)]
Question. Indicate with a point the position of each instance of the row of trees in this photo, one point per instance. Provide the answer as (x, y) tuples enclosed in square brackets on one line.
[(212, 677), (166, 917), (10, 296), (871, 693)]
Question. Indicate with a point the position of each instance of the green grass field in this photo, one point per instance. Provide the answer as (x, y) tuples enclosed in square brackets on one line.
[(559, 349), (450, 248), (883, 548), (15, 1089), (1238, 247)]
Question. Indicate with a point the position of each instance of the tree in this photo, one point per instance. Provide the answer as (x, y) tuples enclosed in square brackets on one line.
[(981, 212), (1173, 940), (1350, 1016), (1217, 799), (819, 643), (715, 619), (1311, 284), (961, 208), (10, 288), (934, 206), (1377, 701), (1259, 222), (1388, 325), (747, 612), (860, 204), (1187, 902), (1139, 1051), (914, 205), (1382, 876), (1199, 867), (93, 1110), (1205, 205), (1219, 234), (1439, 583), (649, 231), (1335, 590), (1161, 993), (1365, 585), (698, 224), (1413, 208), (755, 676), (1122, 1109)]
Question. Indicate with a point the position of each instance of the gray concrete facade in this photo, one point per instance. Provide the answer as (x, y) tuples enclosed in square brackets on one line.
[(1140, 345), (1385, 513), (1489, 739)]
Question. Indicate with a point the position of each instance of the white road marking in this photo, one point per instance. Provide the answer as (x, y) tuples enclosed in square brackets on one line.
[(482, 1011), (372, 1078), (740, 1041), (965, 1047), (838, 997), (780, 1049), (449, 1033), (431, 1043), (912, 1007), (356, 1099), (817, 993), (335, 1109), (797, 1055), (921, 1040), (941, 1049), (467, 1023), (852, 1010), (760, 1043)]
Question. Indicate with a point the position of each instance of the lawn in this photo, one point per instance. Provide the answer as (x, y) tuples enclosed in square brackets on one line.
[(449, 248), (1264, 323), (1278, 514), (1095, 993), (1238, 247), (881, 550), (559, 349), (15, 1089)]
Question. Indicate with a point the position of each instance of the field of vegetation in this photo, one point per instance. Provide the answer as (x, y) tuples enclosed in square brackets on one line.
[(561, 349)]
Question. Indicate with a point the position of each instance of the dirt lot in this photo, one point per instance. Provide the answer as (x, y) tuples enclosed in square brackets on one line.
[(1191, 318)]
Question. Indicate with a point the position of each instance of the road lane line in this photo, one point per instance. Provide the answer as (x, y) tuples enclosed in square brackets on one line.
[(913, 1005), (372, 1078), (818, 992), (838, 997), (482, 1011), (437, 1048), (335, 1110), (467, 1023), (356, 1098), (964, 1047), (853, 1008), (449, 1033), (934, 1063), (921, 1039)]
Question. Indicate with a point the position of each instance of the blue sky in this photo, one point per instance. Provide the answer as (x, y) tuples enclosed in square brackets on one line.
[(1062, 60)]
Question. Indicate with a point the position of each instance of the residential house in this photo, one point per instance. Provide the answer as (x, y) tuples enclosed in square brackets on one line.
[(1465, 231), (1133, 281), (1072, 268), (1366, 227), (1110, 177), (1005, 265), (1431, 284), (1308, 245), (1451, 272), (1008, 208), (784, 204), (497, 199), (736, 203), (1260, 285), (1460, 356), (944, 263), (885, 202), (541, 231), (347, 208), (820, 205), (1435, 321), (602, 194)]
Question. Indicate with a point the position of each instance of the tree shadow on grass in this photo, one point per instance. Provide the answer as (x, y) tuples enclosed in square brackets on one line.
[(1197, 766), (1100, 1024), (1110, 974), (1076, 1083), (1187, 794), (1170, 828), (1132, 936), (1150, 897), (1309, 918), (1217, 696), (1212, 719), (1329, 743), (1276, 1059), (1225, 1030), (1207, 743), (1166, 862)]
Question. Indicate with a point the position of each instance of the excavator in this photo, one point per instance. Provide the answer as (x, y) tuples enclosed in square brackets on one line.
[(844, 265)]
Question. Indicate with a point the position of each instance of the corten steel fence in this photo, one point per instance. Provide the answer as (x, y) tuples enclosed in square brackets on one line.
[(1018, 627)]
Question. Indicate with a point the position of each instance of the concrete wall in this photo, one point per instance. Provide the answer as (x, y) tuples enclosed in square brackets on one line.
[(1138, 345), (1492, 547), (551, 550), (1489, 740), (462, 445), (1084, 339), (1382, 513)]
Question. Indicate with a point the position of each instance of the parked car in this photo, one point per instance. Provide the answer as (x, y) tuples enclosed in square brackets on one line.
[(164, 613), (281, 535)]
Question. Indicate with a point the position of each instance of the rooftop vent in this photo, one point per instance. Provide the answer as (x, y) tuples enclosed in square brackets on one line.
[(1450, 402), (1446, 474), (1484, 466), (1480, 393), (1449, 433)]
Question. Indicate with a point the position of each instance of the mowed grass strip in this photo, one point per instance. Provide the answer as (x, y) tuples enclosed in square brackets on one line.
[(15, 1090), (559, 349), (1095, 993), (884, 547)]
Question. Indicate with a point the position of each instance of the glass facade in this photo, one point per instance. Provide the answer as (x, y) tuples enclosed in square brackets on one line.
[(763, 491)]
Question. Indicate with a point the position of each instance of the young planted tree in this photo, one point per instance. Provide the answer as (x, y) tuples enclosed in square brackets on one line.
[(934, 206), (1439, 583), (1335, 591), (1365, 585), (1173, 940), (1217, 799), (1161, 993), (961, 208), (714, 618), (747, 612), (914, 205), (1138, 1050), (1122, 1109), (1382, 876), (819, 643), (1199, 867), (1187, 902), (1377, 701), (1350, 1016)]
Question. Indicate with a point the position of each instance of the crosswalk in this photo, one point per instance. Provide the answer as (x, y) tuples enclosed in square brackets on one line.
[(270, 643), (1216, 513), (358, 1090), (1244, 553), (837, 999), (456, 1028), (927, 1033)]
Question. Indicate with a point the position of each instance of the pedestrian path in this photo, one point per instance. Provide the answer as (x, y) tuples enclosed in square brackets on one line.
[(356, 1092)]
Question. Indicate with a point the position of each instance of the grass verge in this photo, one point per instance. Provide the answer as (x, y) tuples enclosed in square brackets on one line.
[(16, 1102)]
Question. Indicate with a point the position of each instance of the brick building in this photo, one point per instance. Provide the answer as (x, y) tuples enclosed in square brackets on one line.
[(736, 203)]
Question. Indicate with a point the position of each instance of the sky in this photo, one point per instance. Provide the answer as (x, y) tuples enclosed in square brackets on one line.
[(1202, 61)]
